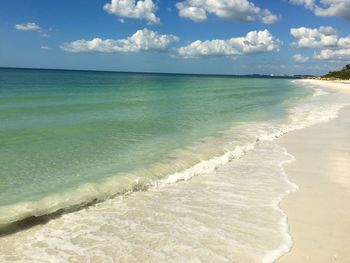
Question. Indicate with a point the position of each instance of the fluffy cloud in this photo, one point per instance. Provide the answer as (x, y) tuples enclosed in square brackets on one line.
[(197, 14), (332, 46), (323, 37), (309, 4), (142, 9), (330, 54), (300, 58), (314, 37), (253, 42), (268, 18), (142, 40), (240, 10), (339, 8), (28, 27)]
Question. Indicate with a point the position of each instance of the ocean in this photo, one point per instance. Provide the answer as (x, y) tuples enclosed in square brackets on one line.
[(136, 167)]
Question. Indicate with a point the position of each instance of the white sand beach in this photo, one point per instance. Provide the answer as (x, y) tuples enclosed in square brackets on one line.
[(318, 213), (338, 85)]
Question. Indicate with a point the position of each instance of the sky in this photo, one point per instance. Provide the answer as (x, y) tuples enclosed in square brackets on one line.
[(177, 36)]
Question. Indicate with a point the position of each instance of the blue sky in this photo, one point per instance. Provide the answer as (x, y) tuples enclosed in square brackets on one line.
[(202, 36)]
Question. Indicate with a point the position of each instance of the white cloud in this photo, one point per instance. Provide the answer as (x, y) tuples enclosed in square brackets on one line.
[(344, 42), (195, 13), (314, 37), (326, 39), (330, 54), (240, 10), (309, 4), (141, 9), (339, 8), (28, 27), (323, 37), (300, 58), (142, 40), (269, 18), (253, 42), (45, 47)]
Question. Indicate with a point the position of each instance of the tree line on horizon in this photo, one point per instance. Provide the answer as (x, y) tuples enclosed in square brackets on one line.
[(344, 73)]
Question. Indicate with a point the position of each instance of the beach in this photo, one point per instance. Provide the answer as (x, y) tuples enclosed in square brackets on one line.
[(318, 213), (188, 131)]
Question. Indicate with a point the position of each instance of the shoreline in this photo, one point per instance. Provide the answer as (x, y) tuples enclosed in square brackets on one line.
[(317, 216)]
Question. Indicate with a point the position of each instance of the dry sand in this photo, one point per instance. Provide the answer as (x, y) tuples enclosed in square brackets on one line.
[(319, 213), (339, 85)]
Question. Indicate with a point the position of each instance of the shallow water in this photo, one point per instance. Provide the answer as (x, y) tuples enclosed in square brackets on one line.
[(214, 199), (70, 137)]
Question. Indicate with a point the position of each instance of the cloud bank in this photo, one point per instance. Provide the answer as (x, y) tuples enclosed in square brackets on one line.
[(253, 42), (142, 40), (239, 10)]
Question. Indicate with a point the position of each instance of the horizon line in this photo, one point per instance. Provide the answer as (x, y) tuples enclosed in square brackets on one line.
[(166, 73)]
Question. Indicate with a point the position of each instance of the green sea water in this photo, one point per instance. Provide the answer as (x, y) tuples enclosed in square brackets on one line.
[(63, 129)]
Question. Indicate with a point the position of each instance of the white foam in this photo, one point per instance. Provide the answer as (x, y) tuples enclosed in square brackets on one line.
[(285, 247), (320, 92), (207, 166)]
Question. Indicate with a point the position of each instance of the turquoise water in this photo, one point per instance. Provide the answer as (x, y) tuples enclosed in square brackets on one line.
[(60, 130)]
